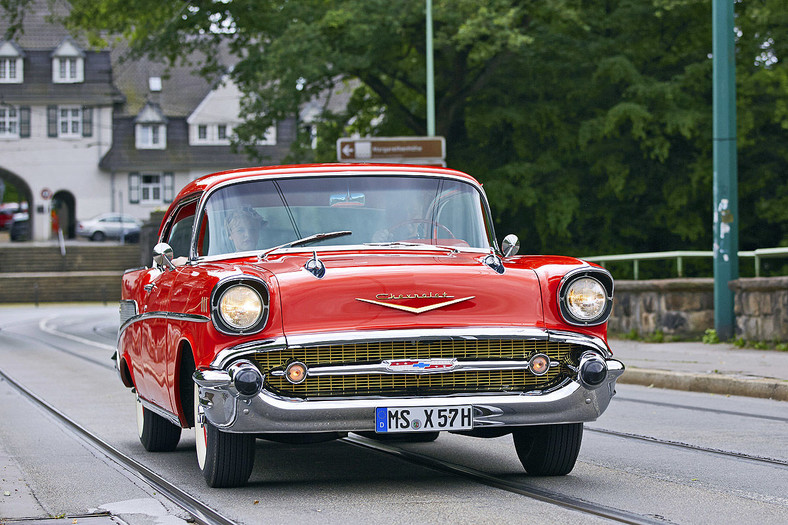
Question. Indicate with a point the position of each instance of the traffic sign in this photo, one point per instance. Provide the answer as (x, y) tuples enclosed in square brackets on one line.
[(411, 150)]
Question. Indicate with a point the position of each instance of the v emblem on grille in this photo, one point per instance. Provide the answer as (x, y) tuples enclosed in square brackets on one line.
[(413, 309)]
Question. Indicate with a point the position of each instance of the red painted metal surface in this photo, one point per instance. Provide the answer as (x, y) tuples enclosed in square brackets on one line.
[(362, 290)]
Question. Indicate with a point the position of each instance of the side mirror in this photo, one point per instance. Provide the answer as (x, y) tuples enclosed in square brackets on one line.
[(162, 256), (510, 245)]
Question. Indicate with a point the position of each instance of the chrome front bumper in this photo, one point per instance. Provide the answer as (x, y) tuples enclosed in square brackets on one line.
[(223, 406)]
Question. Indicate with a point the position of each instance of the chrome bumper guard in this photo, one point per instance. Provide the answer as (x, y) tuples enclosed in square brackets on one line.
[(225, 407)]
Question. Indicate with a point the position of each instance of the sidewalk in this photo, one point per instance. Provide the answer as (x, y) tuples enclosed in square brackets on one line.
[(698, 367)]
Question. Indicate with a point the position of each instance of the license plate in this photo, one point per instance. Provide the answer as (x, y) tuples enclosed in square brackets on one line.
[(423, 419)]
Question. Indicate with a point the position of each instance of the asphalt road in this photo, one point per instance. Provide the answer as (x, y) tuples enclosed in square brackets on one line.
[(660, 454)]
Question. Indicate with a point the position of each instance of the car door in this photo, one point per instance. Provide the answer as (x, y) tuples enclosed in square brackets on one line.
[(162, 345)]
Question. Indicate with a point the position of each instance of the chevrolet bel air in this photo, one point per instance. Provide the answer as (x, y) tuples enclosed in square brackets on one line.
[(301, 303)]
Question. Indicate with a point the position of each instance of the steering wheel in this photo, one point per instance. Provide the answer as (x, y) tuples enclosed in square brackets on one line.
[(433, 224)]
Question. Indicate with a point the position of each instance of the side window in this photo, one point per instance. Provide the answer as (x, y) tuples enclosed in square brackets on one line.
[(180, 233)]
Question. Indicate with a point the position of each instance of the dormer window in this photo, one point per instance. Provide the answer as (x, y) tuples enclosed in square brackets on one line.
[(68, 63), (11, 63), (150, 128)]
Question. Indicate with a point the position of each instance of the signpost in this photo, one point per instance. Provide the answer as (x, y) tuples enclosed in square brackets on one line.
[(400, 150)]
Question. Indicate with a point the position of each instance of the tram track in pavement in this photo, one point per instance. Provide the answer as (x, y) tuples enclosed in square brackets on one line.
[(689, 446), (199, 512), (204, 514)]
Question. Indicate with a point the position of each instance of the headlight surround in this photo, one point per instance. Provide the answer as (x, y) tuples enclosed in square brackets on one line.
[(240, 306), (586, 297)]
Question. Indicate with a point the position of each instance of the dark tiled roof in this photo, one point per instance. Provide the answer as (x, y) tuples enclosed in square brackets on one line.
[(38, 88), (182, 89), (180, 156)]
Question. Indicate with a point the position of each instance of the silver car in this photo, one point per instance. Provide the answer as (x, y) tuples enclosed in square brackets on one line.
[(110, 226)]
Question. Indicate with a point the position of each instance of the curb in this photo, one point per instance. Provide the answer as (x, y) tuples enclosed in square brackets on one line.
[(713, 384)]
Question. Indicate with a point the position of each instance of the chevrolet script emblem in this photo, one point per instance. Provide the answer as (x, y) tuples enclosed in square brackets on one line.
[(382, 299)]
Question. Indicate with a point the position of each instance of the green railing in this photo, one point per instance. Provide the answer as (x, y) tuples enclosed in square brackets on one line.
[(679, 256)]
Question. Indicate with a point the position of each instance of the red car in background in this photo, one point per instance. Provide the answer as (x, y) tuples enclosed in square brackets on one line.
[(312, 301)]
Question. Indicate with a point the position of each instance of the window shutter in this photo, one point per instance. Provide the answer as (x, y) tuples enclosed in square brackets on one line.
[(24, 122), (87, 121), (169, 186), (134, 188), (52, 121)]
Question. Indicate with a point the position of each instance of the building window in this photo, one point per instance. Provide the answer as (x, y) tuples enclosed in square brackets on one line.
[(9, 122), (151, 188), (210, 134), (69, 121), (8, 70), (151, 136), (67, 70)]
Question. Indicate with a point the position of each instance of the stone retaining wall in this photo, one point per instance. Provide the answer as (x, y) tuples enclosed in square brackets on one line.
[(761, 308), (685, 307)]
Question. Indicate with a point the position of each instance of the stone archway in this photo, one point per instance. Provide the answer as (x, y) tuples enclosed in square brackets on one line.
[(17, 190), (64, 210)]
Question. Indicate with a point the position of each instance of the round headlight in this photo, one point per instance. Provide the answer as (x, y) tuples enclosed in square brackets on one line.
[(586, 299), (241, 306)]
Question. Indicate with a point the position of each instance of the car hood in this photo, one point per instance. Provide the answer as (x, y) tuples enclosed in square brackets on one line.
[(394, 291)]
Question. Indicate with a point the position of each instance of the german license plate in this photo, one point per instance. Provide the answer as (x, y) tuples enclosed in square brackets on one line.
[(423, 419)]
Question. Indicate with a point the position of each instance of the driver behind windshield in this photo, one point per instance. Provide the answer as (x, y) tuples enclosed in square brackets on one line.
[(243, 227)]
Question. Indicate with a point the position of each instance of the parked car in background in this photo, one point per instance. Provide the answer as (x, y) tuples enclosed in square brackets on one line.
[(110, 226), (19, 229), (300, 303), (7, 211)]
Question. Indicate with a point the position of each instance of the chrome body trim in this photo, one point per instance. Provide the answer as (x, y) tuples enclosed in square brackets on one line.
[(385, 368), (266, 412), (577, 273), (194, 318), (156, 409), (420, 334)]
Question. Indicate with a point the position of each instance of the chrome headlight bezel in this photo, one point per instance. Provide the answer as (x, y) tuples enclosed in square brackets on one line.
[(599, 276), (243, 283)]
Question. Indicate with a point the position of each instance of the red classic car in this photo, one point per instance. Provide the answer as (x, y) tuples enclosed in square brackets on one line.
[(300, 303)]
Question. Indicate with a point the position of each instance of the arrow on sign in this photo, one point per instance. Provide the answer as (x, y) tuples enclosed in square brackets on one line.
[(347, 150)]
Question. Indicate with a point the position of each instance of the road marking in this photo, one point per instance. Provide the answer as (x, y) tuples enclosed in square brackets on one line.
[(42, 325)]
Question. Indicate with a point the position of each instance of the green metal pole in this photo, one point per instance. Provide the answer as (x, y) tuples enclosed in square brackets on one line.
[(430, 75), (726, 200)]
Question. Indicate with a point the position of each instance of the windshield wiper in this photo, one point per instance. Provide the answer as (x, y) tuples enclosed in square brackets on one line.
[(410, 243), (303, 242)]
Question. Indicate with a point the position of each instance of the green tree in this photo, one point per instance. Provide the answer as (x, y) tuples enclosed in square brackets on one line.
[(589, 122)]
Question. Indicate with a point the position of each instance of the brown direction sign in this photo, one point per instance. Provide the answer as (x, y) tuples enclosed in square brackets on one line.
[(391, 149)]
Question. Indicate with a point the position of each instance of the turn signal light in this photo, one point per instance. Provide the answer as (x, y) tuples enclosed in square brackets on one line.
[(539, 364), (296, 372)]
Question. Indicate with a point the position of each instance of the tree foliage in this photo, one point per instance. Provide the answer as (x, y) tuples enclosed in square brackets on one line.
[(589, 122)]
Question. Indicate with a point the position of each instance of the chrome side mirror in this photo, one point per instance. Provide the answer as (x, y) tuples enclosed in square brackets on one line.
[(510, 245), (162, 256)]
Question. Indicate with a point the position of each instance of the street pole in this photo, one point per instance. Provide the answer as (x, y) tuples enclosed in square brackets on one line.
[(430, 75), (726, 200)]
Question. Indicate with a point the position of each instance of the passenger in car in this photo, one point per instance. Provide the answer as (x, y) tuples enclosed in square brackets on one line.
[(243, 227)]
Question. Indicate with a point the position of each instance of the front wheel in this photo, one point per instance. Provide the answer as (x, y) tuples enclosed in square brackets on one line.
[(156, 433), (548, 450), (226, 459)]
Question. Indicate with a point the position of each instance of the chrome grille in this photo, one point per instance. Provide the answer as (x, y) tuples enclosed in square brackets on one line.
[(463, 381)]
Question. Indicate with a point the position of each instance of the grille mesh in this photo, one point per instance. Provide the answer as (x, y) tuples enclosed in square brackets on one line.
[(416, 384)]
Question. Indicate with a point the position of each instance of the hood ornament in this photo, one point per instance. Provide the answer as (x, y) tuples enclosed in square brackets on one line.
[(414, 309), (315, 266)]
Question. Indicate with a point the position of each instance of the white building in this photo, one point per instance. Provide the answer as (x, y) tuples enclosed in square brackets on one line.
[(83, 132)]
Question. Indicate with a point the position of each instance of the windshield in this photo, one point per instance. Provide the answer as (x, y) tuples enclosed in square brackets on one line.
[(262, 214)]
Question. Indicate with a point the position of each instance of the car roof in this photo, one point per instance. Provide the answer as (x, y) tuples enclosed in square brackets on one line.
[(207, 182)]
